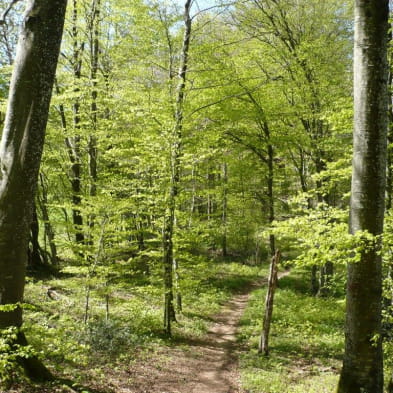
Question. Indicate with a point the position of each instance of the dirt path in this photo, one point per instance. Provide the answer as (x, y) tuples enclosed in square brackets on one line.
[(205, 366), (209, 365)]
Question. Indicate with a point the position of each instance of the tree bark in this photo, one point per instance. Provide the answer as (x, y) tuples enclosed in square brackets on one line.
[(270, 190), (94, 57), (169, 224), (36, 255), (49, 231), (73, 144), (314, 280), (362, 370), (272, 285), (22, 143), (224, 219)]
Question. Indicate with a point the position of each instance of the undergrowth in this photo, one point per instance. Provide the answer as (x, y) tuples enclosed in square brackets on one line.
[(306, 341), (54, 320)]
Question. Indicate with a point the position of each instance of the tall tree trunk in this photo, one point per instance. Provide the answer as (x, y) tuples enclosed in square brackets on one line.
[(224, 220), (314, 280), (94, 57), (49, 232), (267, 318), (389, 160), (73, 144), (21, 148), (270, 191), (388, 299), (327, 269), (362, 370), (36, 256), (169, 224)]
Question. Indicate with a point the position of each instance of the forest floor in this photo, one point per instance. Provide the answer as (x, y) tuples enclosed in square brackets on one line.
[(202, 356), (207, 365), (214, 344)]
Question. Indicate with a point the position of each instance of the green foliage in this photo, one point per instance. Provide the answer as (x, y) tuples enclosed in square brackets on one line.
[(243, 75), (55, 326), (10, 354), (306, 341)]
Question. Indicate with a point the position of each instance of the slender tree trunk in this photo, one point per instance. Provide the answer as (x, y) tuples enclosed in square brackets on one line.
[(36, 256), (94, 57), (169, 224), (179, 301), (389, 159), (49, 232), (388, 300), (270, 191), (193, 197), (362, 370), (314, 280), (325, 279), (21, 148), (326, 271), (224, 210), (74, 143), (267, 318)]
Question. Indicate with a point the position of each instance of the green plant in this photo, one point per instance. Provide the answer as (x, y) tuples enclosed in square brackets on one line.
[(10, 354)]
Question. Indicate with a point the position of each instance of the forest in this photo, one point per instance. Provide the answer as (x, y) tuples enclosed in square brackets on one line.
[(196, 196)]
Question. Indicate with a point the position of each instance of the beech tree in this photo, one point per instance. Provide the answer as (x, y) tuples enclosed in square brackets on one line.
[(21, 146), (362, 368)]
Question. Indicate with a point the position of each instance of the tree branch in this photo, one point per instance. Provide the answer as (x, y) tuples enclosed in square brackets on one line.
[(7, 10)]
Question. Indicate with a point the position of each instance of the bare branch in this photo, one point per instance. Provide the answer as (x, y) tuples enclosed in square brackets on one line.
[(7, 10)]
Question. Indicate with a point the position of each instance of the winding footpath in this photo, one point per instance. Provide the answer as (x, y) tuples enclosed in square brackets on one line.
[(209, 365)]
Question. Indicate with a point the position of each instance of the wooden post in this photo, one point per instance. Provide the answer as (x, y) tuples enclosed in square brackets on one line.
[(272, 285)]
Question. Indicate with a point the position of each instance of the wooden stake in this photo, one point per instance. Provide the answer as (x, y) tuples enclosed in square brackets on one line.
[(272, 285)]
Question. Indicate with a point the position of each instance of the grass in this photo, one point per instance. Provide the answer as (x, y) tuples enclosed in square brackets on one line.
[(55, 328), (306, 341)]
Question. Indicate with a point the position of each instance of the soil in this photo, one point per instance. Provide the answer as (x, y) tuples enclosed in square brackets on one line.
[(206, 365), (209, 365)]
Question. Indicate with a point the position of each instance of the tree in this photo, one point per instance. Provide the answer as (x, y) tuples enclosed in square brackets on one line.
[(362, 368), (305, 54), (22, 143), (176, 152)]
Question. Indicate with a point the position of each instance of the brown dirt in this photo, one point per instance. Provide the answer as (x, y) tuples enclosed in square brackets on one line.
[(209, 365), (205, 366)]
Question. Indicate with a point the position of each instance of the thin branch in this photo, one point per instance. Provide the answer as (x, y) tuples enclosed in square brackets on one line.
[(250, 147), (7, 10)]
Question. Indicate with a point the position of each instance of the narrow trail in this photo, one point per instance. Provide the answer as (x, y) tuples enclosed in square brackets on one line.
[(209, 365)]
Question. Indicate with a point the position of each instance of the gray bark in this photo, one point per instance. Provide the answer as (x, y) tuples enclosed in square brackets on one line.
[(22, 142), (267, 318), (21, 147), (362, 367)]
